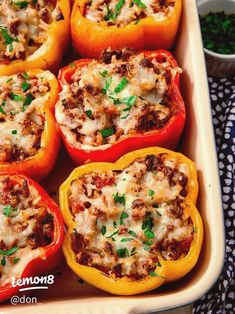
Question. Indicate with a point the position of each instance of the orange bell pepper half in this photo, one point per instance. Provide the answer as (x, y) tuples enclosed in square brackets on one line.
[(37, 165), (49, 54), (91, 38), (165, 269)]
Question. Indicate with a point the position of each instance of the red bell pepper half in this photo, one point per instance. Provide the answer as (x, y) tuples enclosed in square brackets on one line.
[(167, 136), (49, 255)]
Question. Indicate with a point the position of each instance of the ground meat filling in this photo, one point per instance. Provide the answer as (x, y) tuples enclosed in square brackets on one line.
[(22, 118), (25, 225), (23, 26), (124, 93), (126, 219), (123, 12)]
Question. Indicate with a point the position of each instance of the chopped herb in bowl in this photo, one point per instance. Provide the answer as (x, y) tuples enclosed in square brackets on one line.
[(218, 32)]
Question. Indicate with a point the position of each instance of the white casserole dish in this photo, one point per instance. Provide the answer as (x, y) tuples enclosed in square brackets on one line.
[(69, 296)]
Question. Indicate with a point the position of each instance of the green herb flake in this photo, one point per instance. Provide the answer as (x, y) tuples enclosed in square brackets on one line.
[(149, 234), (103, 230), (29, 98), (103, 73), (111, 236), (140, 4), (117, 9), (106, 85), (16, 97), (5, 35), (158, 213), (126, 239), (153, 274), (121, 199), (14, 132), (132, 233), (133, 251), (9, 252), (122, 252), (72, 65), (123, 216), (194, 229), (121, 85), (22, 4), (107, 132), (25, 86), (25, 76), (3, 261), (1, 110), (89, 113), (151, 193), (16, 260), (7, 211)]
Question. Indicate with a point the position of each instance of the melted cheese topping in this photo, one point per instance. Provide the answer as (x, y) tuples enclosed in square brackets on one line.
[(123, 12), (23, 26), (126, 219), (26, 227), (21, 114), (123, 94)]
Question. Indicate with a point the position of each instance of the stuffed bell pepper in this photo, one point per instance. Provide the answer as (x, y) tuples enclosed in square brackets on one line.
[(31, 232), (139, 24), (133, 224), (29, 140), (33, 34), (124, 101)]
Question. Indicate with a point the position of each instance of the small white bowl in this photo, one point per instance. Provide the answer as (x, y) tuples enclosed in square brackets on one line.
[(218, 64)]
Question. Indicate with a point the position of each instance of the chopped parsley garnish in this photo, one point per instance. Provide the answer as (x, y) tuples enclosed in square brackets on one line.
[(151, 193), (14, 132), (107, 132), (115, 232), (9, 252), (25, 76), (126, 239), (121, 85), (149, 242), (158, 213), (194, 229), (140, 4), (153, 274), (3, 261), (89, 113), (122, 252), (103, 73), (22, 4), (103, 230), (29, 98), (113, 15), (106, 85), (7, 211), (16, 260), (133, 251), (147, 223), (9, 80), (115, 224), (25, 86), (129, 101), (1, 110), (149, 234), (123, 216), (121, 199), (8, 39), (132, 233), (16, 97), (72, 65)]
